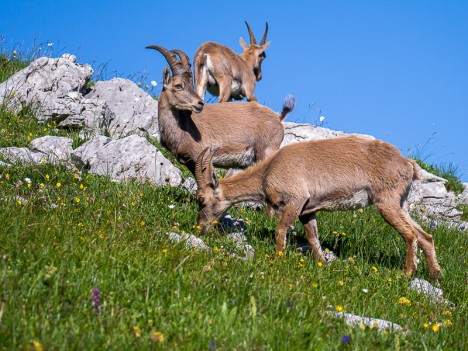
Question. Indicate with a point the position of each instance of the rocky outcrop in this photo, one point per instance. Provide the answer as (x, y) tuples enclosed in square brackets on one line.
[(58, 91), (132, 157)]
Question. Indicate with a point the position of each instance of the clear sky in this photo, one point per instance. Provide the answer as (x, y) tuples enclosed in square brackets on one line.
[(397, 70)]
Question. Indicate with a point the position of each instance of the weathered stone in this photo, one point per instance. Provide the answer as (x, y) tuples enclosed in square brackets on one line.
[(241, 245), (129, 158), (294, 132), (44, 82), (56, 148), (372, 323), (434, 294), (131, 110), (22, 155), (191, 241)]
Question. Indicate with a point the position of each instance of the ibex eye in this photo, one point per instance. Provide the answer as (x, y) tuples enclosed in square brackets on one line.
[(179, 86)]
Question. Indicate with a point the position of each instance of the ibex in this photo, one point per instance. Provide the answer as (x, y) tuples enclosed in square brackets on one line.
[(243, 132), (300, 179), (226, 74)]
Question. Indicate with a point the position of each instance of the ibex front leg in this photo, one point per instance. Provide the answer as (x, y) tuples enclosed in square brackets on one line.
[(288, 217)]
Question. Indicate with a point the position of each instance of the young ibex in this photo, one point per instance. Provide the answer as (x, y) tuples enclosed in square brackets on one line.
[(226, 74), (300, 179), (243, 132)]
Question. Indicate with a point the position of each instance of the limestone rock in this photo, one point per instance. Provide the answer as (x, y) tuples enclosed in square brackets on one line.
[(22, 155), (130, 109), (436, 295), (372, 323), (43, 82), (129, 158), (191, 241), (56, 148), (294, 132)]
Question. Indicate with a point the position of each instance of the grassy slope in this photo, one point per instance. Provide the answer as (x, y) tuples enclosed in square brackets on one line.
[(68, 232)]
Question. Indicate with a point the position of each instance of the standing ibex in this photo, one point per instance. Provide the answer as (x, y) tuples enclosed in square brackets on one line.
[(300, 179), (226, 74), (243, 132)]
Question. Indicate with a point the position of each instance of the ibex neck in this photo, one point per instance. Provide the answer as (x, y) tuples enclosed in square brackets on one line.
[(245, 186)]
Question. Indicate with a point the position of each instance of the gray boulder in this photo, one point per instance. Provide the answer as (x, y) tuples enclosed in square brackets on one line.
[(132, 157), (130, 110), (22, 155), (294, 132), (43, 84), (57, 148)]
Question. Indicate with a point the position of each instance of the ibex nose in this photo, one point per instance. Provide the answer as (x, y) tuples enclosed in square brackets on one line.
[(201, 103)]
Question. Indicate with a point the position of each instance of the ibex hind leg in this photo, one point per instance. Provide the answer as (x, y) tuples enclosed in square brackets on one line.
[(426, 243), (202, 81), (396, 217)]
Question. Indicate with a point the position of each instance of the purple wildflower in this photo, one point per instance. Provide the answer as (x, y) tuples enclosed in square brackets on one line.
[(433, 223), (462, 228), (345, 339), (96, 295), (288, 304), (212, 346)]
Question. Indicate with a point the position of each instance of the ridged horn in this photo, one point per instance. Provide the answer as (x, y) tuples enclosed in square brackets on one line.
[(264, 35), (252, 37), (171, 58), (199, 166), (184, 58)]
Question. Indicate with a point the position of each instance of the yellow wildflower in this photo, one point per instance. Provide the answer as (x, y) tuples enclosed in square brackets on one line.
[(137, 331), (280, 253), (58, 185), (447, 322), (404, 301), (426, 325), (435, 327), (320, 264), (447, 313), (36, 346), (157, 336), (339, 308), (216, 249), (375, 269)]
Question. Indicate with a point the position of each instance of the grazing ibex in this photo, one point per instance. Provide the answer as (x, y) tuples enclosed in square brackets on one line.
[(300, 179), (227, 74), (243, 132)]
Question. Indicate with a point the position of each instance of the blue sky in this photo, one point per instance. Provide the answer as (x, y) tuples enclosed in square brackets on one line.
[(397, 70)]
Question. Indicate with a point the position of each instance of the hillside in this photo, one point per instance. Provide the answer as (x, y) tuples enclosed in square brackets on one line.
[(99, 257)]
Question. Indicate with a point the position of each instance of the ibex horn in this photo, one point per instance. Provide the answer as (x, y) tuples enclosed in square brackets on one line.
[(264, 35), (184, 58), (171, 58), (252, 37)]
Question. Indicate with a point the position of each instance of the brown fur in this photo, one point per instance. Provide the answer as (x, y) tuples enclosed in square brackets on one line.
[(242, 132), (333, 174), (225, 69)]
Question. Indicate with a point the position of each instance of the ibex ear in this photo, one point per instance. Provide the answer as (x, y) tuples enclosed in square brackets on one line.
[(214, 179), (166, 76), (264, 47), (243, 44)]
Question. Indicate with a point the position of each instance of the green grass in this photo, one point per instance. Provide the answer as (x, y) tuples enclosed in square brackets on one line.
[(65, 232), (9, 65)]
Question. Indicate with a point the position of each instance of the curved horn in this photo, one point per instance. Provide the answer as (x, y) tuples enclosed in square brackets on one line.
[(171, 59), (264, 35), (252, 37), (199, 165), (184, 58)]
